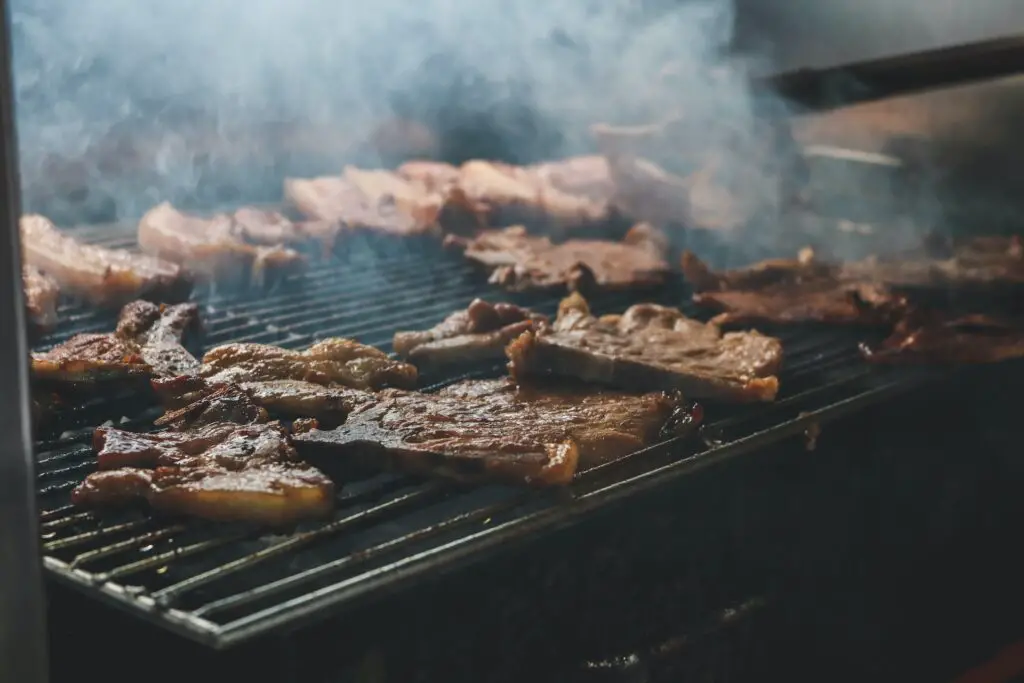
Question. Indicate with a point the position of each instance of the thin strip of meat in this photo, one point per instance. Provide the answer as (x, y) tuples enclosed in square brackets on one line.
[(220, 471), (149, 341), (330, 362), (490, 430), (474, 335), (41, 295), (214, 248), (971, 339), (650, 348), (521, 262), (101, 276), (790, 291)]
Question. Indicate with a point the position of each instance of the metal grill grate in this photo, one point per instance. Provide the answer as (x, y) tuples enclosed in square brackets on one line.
[(222, 584)]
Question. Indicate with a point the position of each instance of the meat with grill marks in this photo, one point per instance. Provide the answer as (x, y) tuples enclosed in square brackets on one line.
[(220, 471), (521, 262), (41, 296), (491, 430), (650, 348), (101, 276), (474, 335), (149, 341), (216, 248), (929, 338), (787, 291)]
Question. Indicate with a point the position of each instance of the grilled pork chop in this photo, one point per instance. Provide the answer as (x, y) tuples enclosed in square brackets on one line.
[(330, 362), (521, 262), (970, 339), (474, 335), (790, 291), (221, 471), (103, 277), (41, 294), (379, 201), (490, 430), (149, 342), (650, 348), (214, 248)]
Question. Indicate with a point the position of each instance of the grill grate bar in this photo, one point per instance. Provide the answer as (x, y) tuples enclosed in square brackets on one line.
[(128, 544), (163, 559), (86, 537), (166, 596)]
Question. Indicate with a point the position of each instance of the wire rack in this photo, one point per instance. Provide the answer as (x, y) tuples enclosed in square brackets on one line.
[(224, 584)]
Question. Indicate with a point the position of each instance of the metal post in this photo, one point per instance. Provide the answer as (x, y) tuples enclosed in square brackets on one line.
[(23, 638)]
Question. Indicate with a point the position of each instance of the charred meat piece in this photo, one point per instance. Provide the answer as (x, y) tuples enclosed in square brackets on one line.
[(216, 404), (103, 277), (971, 339), (477, 334), (330, 362), (379, 201), (491, 430), (520, 262), (650, 348), (584, 176), (41, 295), (435, 176), (213, 248), (149, 341), (220, 471), (796, 291)]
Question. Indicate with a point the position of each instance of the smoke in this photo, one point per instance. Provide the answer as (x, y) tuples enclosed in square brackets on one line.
[(205, 101)]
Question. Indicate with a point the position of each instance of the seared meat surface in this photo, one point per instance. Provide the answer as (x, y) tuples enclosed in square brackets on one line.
[(790, 291), (650, 348), (477, 334), (149, 341), (521, 262), (103, 277), (969, 339), (215, 248), (491, 430), (41, 296), (220, 471), (330, 362)]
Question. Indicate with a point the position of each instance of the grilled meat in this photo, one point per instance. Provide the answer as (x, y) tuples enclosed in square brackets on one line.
[(650, 348), (520, 262), (790, 291), (149, 341), (220, 403), (214, 248), (220, 471), (970, 339), (477, 334), (380, 201), (491, 430), (330, 362), (103, 277), (584, 176), (41, 294), (435, 176)]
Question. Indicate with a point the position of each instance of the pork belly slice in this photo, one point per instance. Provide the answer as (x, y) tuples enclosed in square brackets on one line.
[(934, 339), (41, 296), (220, 471), (477, 334), (790, 291), (149, 341), (214, 248), (650, 348), (329, 362), (380, 201), (100, 276), (522, 262), (491, 430)]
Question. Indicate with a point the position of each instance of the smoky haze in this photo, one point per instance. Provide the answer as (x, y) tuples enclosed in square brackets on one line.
[(192, 80)]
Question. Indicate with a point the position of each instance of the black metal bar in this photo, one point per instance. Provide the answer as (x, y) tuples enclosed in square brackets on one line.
[(847, 84), (23, 642)]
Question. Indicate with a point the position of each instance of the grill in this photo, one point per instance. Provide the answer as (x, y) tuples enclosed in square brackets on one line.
[(222, 585)]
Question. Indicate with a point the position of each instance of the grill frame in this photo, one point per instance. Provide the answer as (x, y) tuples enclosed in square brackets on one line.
[(658, 466)]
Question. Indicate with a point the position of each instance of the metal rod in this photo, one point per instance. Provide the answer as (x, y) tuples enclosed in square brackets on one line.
[(23, 638), (847, 84)]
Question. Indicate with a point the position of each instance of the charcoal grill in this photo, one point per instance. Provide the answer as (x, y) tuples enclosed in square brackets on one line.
[(222, 586)]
